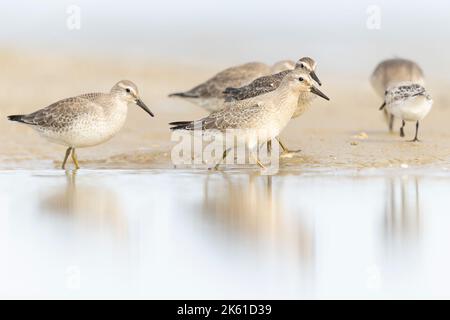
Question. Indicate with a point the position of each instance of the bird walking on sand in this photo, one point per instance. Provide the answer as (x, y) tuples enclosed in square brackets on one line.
[(409, 102), (391, 72), (209, 94), (85, 120), (259, 118), (271, 82)]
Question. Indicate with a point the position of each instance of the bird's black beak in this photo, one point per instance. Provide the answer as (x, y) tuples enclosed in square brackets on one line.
[(319, 93), (315, 78), (143, 106), (382, 106)]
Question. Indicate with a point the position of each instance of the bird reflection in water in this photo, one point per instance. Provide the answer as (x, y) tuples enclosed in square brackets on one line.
[(89, 204), (247, 211), (402, 218)]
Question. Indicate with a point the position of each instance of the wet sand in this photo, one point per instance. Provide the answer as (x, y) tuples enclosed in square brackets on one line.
[(347, 133)]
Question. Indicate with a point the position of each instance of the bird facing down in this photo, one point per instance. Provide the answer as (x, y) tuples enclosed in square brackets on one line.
[(258, 118), (391, 72), (409, 102), (209, 94), (271, 82), (85, 120)]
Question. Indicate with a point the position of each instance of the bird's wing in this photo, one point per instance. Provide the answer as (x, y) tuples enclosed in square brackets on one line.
[(234, 76), (239, 116), (63, 112), (407, 91), (257, 87), (236, 115)]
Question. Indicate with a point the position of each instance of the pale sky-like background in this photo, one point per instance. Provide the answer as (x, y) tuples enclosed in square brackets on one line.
[(125, 230), (234, 31)]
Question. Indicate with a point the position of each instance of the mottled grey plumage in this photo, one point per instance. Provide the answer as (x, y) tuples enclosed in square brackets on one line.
[(407, 101), (404, 91), (214, 86), (85, 120), (259, 86), (391, 72), (63, 113), (269, 83), (261, 117), (247, 114), (209, 94)]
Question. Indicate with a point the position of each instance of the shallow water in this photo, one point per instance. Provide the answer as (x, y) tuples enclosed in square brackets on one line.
[(188, 234)]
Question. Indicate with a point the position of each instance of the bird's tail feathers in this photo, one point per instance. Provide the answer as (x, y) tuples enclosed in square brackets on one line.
[(181, 125)]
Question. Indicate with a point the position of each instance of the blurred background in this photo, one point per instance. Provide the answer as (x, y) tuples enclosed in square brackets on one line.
[(359, 213), (341, 35)]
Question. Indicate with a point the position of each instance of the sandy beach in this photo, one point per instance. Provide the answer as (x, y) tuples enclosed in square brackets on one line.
[(348, 132)]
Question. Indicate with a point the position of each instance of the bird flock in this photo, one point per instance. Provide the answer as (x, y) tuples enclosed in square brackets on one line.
[(255, 99)]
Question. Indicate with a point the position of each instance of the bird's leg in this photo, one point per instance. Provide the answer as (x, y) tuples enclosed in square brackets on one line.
[(391, 123), (258, 162), (402, 130), (285, 149), (417, 132), (65, 157), (224, 155), (75, 160), (385, 113), (269, 147)]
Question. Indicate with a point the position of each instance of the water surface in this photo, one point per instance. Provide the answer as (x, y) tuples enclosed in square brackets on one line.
[(188, 234)]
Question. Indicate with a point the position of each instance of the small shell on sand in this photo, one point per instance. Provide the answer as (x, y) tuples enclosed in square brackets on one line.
[(361, 136)]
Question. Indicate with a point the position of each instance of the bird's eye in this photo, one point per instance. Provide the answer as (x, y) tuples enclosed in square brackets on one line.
[(128, 90), (300, 79)]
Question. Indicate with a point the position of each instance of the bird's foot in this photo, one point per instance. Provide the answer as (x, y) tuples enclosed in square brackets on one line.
[(214, 168), (287, 154)]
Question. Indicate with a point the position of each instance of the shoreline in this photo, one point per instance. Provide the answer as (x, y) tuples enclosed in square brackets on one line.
[(346, 133)]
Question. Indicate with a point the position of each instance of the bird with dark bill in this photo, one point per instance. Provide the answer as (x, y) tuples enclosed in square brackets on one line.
[(257, 119), (271, 82), (409, 102), (209, 94), (390, 72), (85, 120)]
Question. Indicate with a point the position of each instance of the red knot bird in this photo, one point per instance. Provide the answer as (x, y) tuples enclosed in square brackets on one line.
[(271, 82), (209, 94), (257, 119), (85, 120)]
